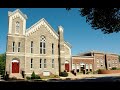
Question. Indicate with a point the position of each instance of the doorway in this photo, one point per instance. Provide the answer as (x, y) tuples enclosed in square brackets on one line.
[(15, 66), (67, 66)]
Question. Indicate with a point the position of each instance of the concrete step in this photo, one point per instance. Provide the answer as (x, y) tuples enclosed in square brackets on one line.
[(16, 75), (70, 74)]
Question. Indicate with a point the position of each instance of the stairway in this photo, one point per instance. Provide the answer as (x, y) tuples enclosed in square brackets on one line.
[(16, 75)]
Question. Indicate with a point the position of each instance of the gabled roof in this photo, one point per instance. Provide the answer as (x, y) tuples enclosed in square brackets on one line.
[(17, 10), (35, 26), (68, 44)]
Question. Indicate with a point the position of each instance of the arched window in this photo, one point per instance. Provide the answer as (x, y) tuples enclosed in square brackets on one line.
[(42, 45), (17, 26)]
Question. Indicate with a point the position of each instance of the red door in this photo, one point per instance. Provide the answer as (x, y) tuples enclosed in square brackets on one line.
[(15, 67), (67, 67)]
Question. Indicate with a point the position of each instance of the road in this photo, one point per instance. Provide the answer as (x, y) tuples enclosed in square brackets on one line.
[(95, 79)]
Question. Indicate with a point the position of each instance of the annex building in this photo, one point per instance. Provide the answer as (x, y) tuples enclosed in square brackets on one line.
[(94, 60)]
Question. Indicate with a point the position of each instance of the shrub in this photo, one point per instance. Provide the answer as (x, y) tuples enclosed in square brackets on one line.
[(37, 77), (23, 74), (28, 78), (64, 74), (55, 76), (87, 72), (113, 68), (6, 77), (33, 75), (118, 68)]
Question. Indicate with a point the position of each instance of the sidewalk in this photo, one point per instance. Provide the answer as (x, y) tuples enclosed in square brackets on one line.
[(81, 76)]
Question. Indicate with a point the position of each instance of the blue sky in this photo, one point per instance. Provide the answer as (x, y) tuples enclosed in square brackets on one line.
[(76, 31)]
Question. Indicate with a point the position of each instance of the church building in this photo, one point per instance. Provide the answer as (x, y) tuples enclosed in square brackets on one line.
[(38, 48)]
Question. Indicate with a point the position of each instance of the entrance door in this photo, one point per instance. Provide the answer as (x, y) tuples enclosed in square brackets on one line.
[(67, 67), (15, 67)]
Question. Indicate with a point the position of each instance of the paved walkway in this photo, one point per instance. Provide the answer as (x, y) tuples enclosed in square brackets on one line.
[(81, 76)]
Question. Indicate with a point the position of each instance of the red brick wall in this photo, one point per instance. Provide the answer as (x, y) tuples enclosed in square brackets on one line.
[(99, 56), (110, 58), (78, 61), (108, 71)]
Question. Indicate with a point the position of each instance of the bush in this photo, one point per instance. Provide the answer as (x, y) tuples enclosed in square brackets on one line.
[(118, 68), (113, 68), (56, 76), (33, 75), (87, 72), (37, 77), (6, 77), (23, 74), (28, 78), (64, 74)]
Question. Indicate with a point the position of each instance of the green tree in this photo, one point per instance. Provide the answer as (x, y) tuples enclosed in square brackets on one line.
[(2, 63), (105, 19), (119, 58)]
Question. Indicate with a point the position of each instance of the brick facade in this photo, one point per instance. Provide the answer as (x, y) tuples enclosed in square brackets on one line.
[(98, 60), (82, 63)]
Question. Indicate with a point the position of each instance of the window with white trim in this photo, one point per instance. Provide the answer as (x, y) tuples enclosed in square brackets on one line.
[(45, 63), (13, 46), (42, 45), (97, 60), (40, 63), (31, 46), (18, 46), (17, 26), (52, 48), (73, 66), (31, 63), (52, 63), (101, 60)]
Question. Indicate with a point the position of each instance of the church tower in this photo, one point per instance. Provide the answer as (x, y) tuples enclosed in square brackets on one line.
[(15, 50)]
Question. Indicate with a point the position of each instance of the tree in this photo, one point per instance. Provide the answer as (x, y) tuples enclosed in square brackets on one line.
[(105, 19), (2, 63)]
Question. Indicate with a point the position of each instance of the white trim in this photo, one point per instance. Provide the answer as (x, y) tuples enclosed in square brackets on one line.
[(68, 56), (17, 13), (10, 25), (17, 10), (16, 35), (66, 61), (15, 61), (73, 66), (29, 54), (24, 26), (87, 66), (83, 58), (68, 48), (77, 66), (61, 29), (36, 26), (90, 66), (82, 63)]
